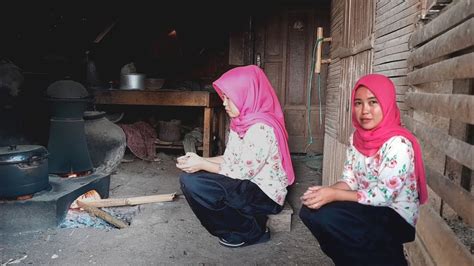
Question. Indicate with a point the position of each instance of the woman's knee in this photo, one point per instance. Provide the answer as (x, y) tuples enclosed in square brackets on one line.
[(320, 218), (200, 183), (305, 213), (203, 189), (188, 181), (310, 217)]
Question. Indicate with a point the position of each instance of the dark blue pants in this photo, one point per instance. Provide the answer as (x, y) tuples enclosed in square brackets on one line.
[(233, 209), (355, 234)]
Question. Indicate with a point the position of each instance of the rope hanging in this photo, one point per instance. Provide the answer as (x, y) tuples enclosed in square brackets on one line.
[(310, 88)]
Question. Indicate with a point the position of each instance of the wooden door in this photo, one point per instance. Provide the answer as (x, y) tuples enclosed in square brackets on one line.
[(284, 39)]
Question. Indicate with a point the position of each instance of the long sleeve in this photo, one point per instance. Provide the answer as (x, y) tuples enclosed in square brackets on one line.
[(348, 173), (256, 157), (247, 160)]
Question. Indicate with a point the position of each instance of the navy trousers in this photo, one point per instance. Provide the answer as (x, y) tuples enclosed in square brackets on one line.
[(355, 234), (233, 209)]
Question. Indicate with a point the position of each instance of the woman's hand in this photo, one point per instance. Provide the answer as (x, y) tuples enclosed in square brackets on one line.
[(317, 196), (190, 163)]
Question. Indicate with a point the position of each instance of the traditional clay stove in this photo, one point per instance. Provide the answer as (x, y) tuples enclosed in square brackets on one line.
[(70, 168)]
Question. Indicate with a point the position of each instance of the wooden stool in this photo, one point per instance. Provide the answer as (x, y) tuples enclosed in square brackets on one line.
[(281, 222)]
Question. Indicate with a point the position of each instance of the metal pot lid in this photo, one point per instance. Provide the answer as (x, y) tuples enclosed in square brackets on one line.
[(91, 115), (67, 89), (21, 153)]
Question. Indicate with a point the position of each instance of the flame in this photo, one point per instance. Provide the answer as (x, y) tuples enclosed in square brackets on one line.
[(172, 33), (75, 174), (92, 194)]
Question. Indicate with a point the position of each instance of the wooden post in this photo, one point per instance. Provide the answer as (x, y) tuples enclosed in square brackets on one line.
[(207, 135), (319, 35), (222, 130)]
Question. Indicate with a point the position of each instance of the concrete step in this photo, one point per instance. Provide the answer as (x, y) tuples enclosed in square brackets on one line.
[(281, 222)]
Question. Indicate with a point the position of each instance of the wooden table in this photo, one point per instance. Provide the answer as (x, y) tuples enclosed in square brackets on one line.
[(205, 99)]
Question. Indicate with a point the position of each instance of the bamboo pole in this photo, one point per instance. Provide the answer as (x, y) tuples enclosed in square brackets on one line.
[(455, 14), (459, 107), (459, 67), (100, 203), (319, 35)]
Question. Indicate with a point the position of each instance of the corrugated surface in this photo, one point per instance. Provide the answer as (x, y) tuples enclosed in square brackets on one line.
[(394, 24), (351, 26)]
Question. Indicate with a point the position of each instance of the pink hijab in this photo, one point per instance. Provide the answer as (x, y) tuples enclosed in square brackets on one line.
[(250, 90), (368, 142)]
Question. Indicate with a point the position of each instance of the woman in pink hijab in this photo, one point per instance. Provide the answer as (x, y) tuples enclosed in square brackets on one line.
[(366, 216), (232, 194)]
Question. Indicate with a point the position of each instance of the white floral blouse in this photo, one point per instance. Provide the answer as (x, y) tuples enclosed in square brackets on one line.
[(385, 179), (255, 157)]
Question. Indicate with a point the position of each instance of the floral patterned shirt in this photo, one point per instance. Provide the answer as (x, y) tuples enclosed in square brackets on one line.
[(386, 178), (255, 157)]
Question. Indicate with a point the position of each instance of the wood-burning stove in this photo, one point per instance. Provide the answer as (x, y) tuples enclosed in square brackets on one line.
[(67, 143), (68, 156), (48, 208)]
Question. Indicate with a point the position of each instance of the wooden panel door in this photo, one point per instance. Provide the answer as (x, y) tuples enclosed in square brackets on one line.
[(284, 42)]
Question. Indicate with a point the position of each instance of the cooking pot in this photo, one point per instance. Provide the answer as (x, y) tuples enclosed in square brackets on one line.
[(132, 82), (154, 84), (23, 170), (170, 130)]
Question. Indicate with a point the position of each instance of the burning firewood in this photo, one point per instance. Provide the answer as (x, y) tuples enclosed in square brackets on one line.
[(89, 195), (102, 214)]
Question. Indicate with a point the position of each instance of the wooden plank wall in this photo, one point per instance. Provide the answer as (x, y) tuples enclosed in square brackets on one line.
[(351, 55), (394, 23), (440, 98), (333, 150), (356, 56), (431, 65), (334, 76)]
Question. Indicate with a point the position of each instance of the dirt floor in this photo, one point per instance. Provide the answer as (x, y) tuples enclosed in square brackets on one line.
[(163, 233)]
